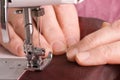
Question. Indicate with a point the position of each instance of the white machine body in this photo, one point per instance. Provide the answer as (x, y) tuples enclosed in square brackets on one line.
[(30, 3), (11, 67)]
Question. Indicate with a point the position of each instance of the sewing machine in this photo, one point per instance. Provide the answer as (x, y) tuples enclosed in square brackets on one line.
[(29, 8)]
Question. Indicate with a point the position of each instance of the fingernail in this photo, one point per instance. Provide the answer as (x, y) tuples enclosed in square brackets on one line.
[(71, 54), (105, 24), (59, 47), (20, 51), (83, 56), (71, 42), (47, 51)]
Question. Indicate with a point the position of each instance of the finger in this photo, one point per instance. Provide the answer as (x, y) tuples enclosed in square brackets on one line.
[(52, 31), (103, 36), (105, 24), (18, 23), (40, 41), (15, 45), (17, 20), (44, 44), (68, 20), (106, 54)]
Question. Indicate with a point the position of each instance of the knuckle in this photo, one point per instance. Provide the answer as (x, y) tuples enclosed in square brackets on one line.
[(70, 58), (106, 52), (116, 25), (90, 40)]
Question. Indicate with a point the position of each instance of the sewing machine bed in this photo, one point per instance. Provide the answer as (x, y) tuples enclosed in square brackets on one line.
[(61, 69)]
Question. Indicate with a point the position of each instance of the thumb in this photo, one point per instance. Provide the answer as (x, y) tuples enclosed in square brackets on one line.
[(106, 54)]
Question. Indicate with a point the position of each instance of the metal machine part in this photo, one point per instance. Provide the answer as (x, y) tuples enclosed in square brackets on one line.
[(33, 3), (4, 28), (30, 8), (34, 54), (4, 4)]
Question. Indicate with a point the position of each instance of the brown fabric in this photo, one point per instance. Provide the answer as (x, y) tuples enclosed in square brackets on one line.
[(89, 25), (61, 69)]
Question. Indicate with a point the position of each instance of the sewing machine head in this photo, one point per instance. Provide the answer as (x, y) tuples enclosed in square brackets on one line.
[(30, 8)]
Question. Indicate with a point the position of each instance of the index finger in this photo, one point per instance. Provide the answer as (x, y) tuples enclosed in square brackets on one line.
[(68, 20)]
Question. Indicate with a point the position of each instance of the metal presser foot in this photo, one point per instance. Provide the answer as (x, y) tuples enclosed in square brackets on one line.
[(34, 55), (34, 58)]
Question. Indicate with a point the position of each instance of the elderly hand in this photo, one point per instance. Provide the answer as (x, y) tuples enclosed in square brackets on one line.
[(60, 29), (100, 47)]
